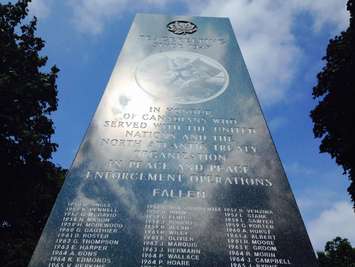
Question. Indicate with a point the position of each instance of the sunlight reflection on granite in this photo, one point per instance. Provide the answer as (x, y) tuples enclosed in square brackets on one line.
[(178, 131)]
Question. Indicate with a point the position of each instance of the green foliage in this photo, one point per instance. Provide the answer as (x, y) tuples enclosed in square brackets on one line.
[(334, 115), (338, 253), (28, 95)]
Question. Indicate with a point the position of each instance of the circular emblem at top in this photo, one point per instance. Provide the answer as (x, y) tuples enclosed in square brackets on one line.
[(181, 27)]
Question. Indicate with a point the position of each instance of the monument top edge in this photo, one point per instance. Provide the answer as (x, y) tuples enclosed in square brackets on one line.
[(139, 14)]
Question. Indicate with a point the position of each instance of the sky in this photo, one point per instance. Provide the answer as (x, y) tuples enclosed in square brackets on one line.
[(84, 38)]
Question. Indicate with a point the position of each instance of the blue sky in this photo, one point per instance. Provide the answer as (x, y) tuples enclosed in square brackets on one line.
[(282, 43)]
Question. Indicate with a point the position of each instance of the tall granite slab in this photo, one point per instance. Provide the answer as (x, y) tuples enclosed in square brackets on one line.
[(177, 167)]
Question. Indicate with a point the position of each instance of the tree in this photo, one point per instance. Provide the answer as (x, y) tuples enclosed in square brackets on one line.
[(334, 115), (338, 253), (28, 95)]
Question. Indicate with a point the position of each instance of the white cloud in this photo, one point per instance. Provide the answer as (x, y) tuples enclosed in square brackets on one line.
[(39, 8), (276, 123), (297, 169), (325, 186), (339, 220), (312, 201), (326, 12), (90, 16)]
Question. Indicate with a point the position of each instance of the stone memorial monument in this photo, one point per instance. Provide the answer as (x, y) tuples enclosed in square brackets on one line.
[(177, 167)]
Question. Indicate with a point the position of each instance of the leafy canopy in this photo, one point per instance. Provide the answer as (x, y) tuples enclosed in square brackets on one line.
[(29, 182), (334, 115), (338, 252)]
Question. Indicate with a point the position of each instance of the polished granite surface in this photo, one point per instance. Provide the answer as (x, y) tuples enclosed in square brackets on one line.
[(177, 167)]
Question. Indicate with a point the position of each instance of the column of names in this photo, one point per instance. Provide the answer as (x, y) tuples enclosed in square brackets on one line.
[(86, 234)]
